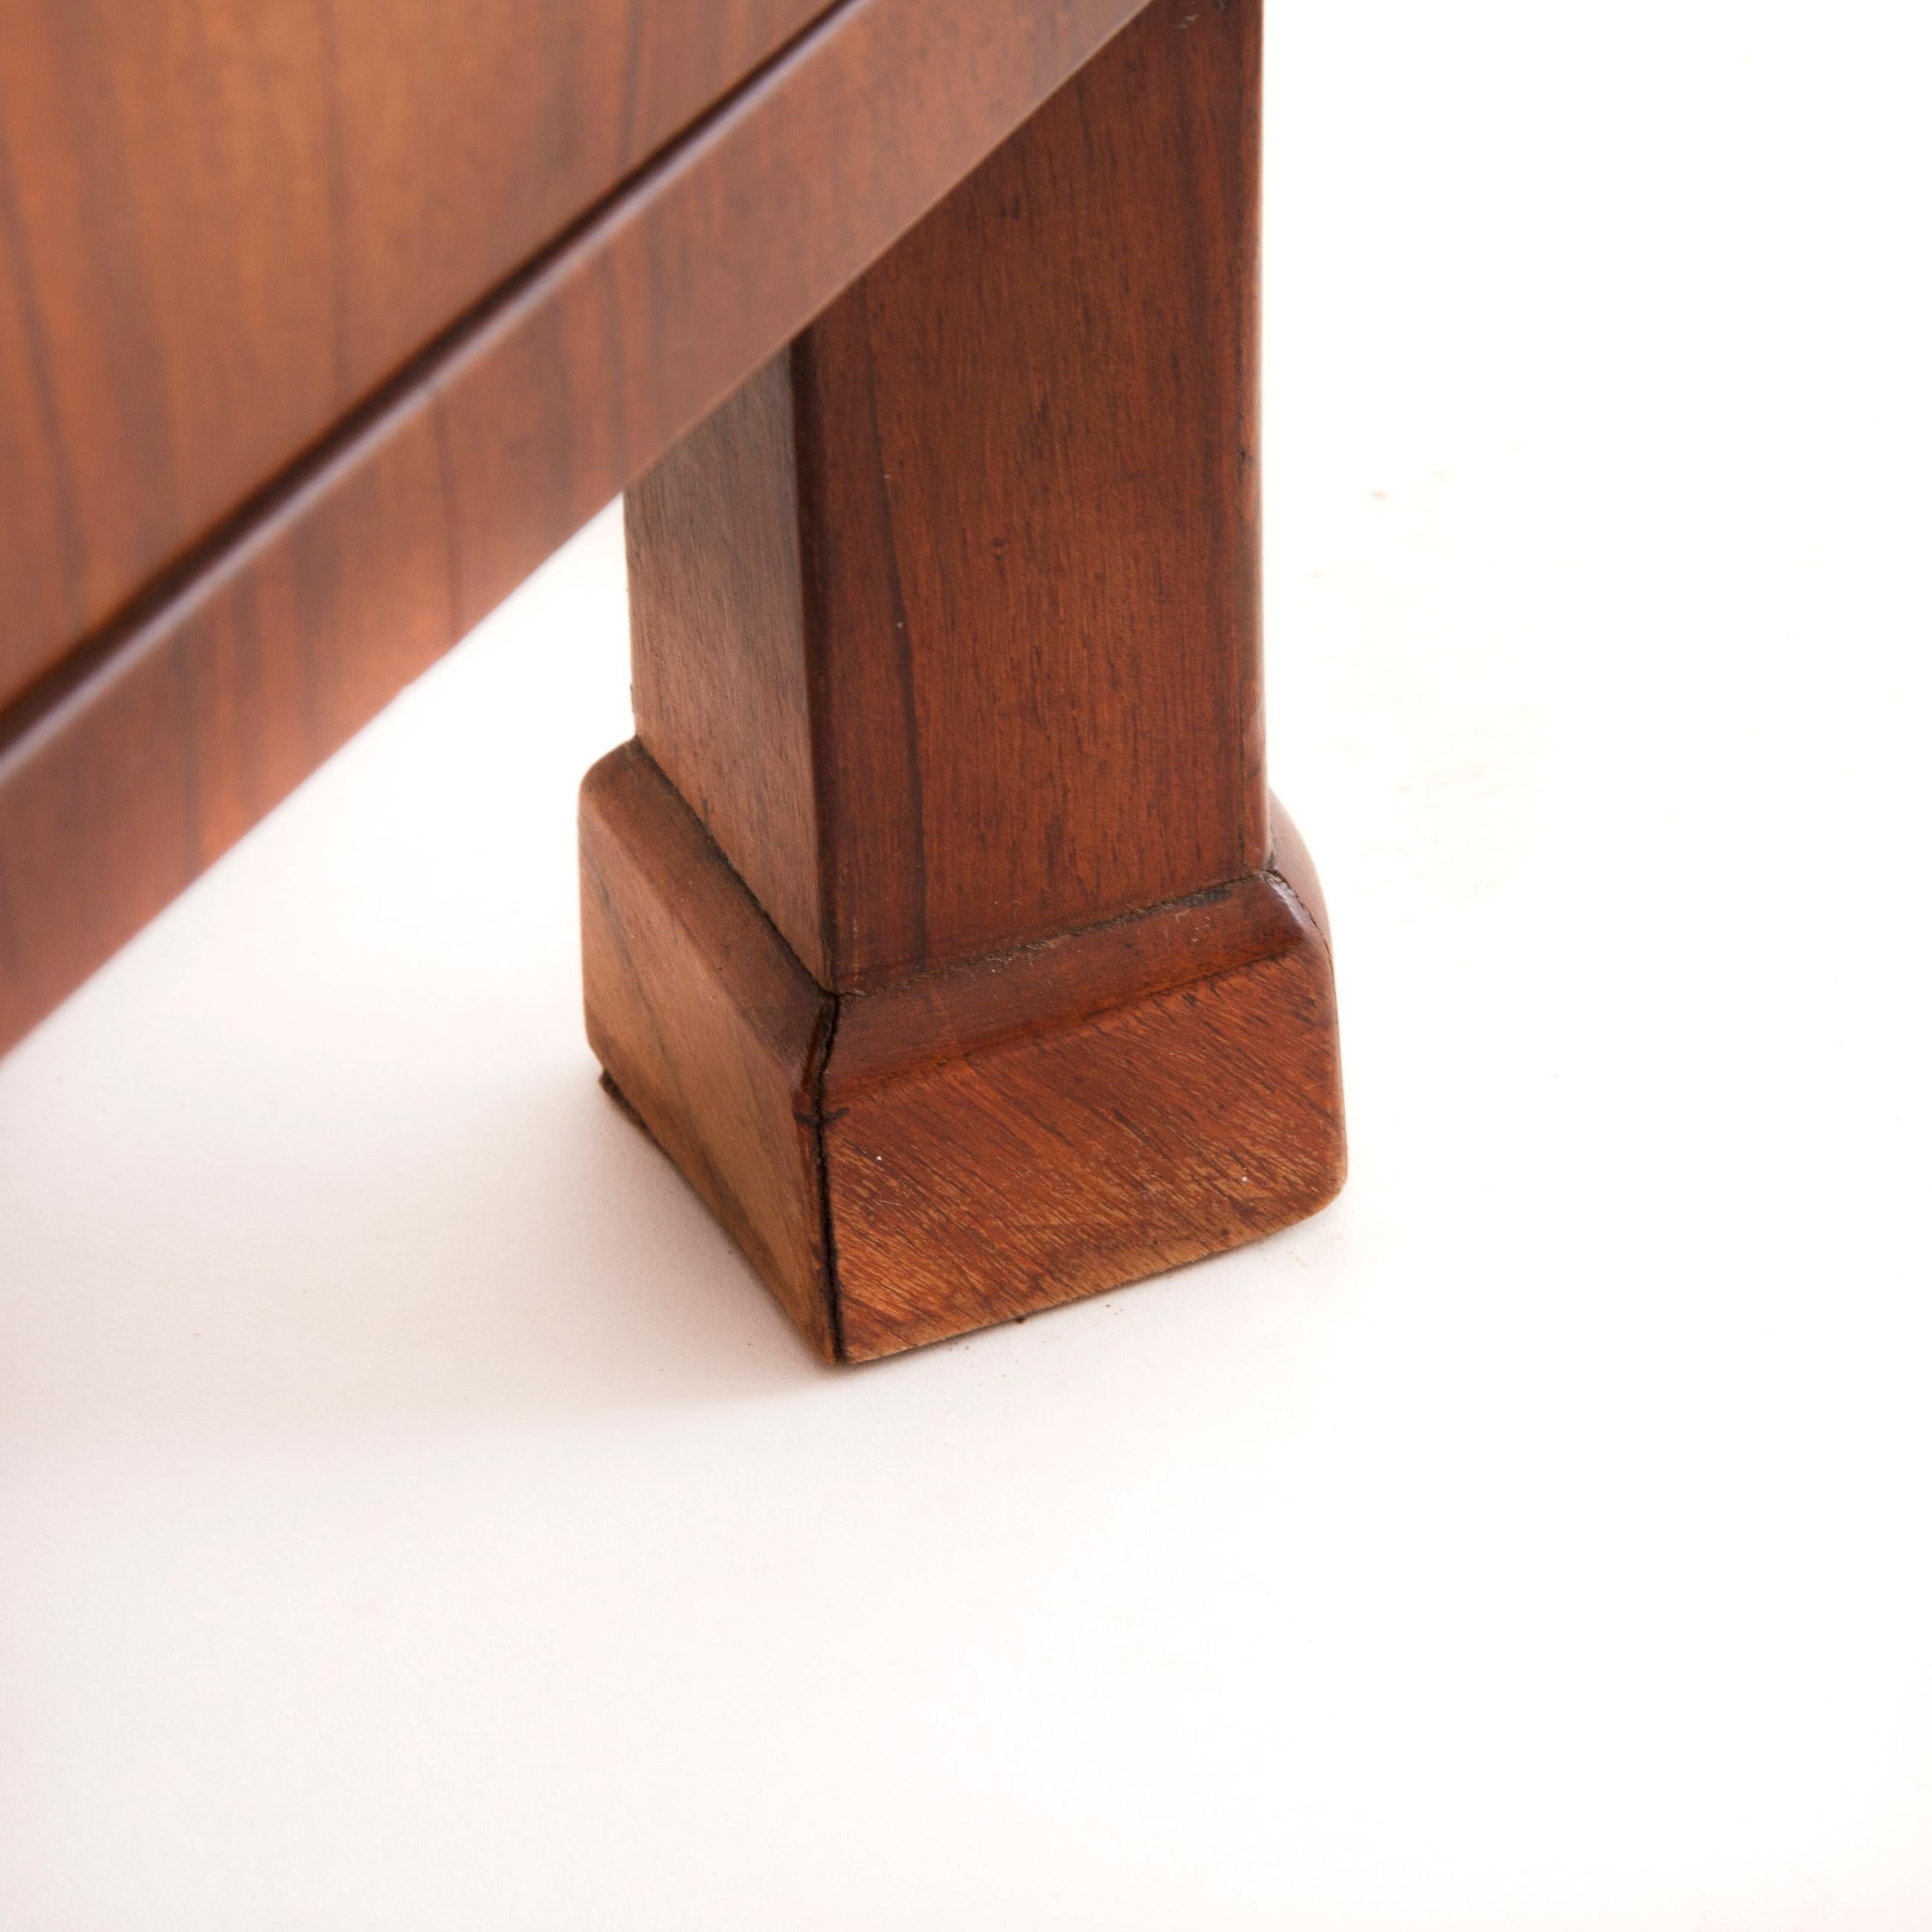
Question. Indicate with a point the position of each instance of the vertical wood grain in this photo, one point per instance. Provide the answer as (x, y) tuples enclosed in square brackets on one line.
[(1028, 438), (1020, 618), (718, 646)]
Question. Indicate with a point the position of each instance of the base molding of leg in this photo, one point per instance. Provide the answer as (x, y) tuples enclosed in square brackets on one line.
[(973, 1143)]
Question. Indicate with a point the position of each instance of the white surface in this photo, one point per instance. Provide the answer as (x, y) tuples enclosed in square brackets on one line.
[(415, 1515)]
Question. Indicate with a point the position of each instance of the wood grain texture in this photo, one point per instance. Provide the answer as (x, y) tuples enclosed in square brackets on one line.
[(144, 756), (707, 1026), (223, 223), (1099, 1147), (986, 539), (969, 1145), (945, 630), (719, 654)]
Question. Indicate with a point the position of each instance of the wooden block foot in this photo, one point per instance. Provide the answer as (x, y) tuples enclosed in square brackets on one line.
[(967, 1145)]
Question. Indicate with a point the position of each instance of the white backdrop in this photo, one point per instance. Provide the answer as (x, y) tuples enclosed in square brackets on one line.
[(413, 1515)]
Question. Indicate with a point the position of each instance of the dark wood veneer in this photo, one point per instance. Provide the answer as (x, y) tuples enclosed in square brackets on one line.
[(138, 760), (223, 223)]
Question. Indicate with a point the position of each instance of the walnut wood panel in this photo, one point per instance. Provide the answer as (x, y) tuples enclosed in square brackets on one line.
[(140, 759), (223, 223), (979, 1144), (984, 539)]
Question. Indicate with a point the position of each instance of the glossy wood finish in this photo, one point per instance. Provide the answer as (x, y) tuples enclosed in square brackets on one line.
[(223, 223), (135, 764), (945, 657)]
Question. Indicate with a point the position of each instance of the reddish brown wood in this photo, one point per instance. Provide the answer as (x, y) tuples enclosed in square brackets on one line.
[(223, 223), (998, 509), (1087, 1144), (970, 1145), (944, 658), (141, 758), (707, 1026), (718, 647)]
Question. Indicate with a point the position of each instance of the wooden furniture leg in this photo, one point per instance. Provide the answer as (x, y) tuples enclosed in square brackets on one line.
[(935, 923)]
